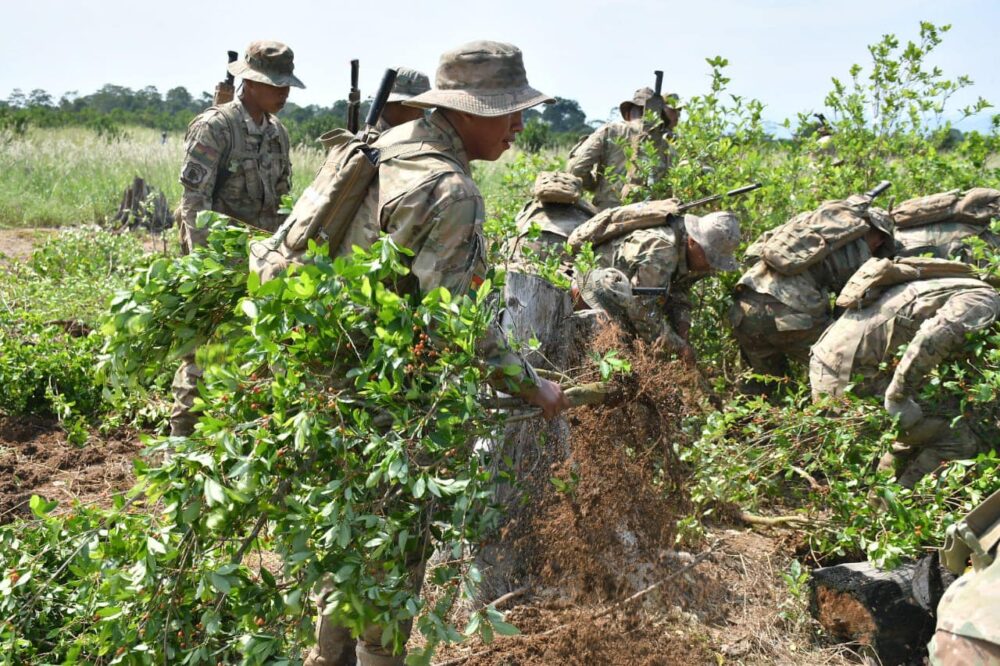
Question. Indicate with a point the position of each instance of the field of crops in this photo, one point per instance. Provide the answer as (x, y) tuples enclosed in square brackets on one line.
[(677, 525)]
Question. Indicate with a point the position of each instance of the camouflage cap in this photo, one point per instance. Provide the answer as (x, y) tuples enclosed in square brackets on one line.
[(483, 78), (409, 83), (718, 234), (267, 62), (557, 187), (666, 105), (640, 98), (607, 289)]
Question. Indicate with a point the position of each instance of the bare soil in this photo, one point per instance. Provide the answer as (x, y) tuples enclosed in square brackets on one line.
[(37, 459), (17, 244)]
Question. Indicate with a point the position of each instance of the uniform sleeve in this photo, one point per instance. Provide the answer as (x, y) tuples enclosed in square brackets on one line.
[(206, 144), (452, 254), (586, 158), (941, 336)]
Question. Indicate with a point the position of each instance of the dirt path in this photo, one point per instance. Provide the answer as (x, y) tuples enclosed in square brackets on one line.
[(17, 244)]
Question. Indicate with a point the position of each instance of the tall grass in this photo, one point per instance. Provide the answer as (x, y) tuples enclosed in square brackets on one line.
[(56, 177)]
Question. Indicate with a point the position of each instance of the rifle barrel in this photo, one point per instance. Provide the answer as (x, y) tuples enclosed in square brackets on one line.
[(878, 189), (715, 197), (384, 88), (659, 82), (233, 56)]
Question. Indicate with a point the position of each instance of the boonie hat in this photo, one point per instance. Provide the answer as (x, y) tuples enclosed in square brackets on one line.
[(607, 289), (482, 78), (409, 84), (718, 234), (640, 98), (267, 62), (882, 220)]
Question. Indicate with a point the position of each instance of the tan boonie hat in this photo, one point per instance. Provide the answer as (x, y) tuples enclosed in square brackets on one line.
[(607, 289), (718, 234), (482, 78), (642, 98), (557, 187), (409, 84), (267, 62)]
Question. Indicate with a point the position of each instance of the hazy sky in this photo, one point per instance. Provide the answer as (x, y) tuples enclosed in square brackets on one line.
[(783, 52)]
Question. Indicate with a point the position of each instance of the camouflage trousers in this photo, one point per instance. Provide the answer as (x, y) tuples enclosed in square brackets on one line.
[(771, 333), (933, 441), (185, 389), (336, 647)]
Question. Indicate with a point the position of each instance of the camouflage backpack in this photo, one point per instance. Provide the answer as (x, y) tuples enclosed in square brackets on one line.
[(615, 222), (809, 238), (876, 275), (976, 206)]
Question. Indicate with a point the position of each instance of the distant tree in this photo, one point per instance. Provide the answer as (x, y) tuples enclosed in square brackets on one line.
[(16, 99), (179, 99), (565, 115), (39, 97)]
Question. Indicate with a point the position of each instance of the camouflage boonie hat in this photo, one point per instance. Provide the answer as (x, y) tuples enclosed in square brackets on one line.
[(641, 98), (557, 187), (483, 78), (607, 289), (267, 62), (409, 84), (718, 234)]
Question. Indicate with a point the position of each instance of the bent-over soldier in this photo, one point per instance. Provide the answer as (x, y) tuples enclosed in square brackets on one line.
[(931, 317)]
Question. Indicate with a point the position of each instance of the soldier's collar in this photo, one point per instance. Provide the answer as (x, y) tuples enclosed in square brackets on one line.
[(439, 121), (252, 126)]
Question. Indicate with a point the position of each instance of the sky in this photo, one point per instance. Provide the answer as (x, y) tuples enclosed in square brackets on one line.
[(783, 52)]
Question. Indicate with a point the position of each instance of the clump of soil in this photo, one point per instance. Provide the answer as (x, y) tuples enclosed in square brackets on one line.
[(37, 459)]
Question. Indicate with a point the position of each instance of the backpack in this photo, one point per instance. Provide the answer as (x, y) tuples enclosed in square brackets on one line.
[(327, 207), (809, 238), (976, 206), (876, 275), (615, 222)]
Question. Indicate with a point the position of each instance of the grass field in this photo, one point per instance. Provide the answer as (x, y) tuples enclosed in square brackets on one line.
[(58, 177)]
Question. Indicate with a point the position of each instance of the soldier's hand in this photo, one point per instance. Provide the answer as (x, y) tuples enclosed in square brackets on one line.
[(905, 408), (548, 395)]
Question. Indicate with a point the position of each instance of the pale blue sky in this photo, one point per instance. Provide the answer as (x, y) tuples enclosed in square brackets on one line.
[(596, 51)]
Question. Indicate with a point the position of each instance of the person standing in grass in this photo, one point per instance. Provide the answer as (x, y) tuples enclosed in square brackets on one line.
[(236, 162)]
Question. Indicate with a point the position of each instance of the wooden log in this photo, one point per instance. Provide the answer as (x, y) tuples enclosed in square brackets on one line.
[(860, 603), (142, 206), (533, 309)]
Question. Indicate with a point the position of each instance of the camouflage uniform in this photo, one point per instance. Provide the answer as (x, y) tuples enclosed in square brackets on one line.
[(777, 317), (932, 318), (602, 161), (426, 200), (235, 167), (556, 209)]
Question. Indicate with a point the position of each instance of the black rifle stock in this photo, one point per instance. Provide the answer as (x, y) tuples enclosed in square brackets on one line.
[(354, 100), (378, 104), (658, 88), (225, 90)]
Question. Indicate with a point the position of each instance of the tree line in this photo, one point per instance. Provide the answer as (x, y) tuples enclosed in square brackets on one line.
[(113, 107)]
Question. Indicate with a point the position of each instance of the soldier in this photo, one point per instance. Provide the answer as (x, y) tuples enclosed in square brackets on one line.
[(426, 200), (236, 162), (968, 625), (409, 84), (930, 316), (777, 316), (555, 210), (607, 162), (672, 257)]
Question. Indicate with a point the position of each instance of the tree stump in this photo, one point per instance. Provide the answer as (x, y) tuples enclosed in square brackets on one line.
[(859, 603), (143, 206), (533, 309)]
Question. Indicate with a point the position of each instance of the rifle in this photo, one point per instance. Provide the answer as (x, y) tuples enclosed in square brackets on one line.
[(649, 291), (354, 101), (658, 87), (878, 189), (225, 90), (683, 208), (375, 110)]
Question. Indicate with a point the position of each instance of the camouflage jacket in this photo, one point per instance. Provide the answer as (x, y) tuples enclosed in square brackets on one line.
[(601, 160), (425, 200), (233, 166), (930, 316), (655, 257), (943, 240), (968, 607)]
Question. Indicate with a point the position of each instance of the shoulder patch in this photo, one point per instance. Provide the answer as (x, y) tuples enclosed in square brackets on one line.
[(205, 154), (194, 174)]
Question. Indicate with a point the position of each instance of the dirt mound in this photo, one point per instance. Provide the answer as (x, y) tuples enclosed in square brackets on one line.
[(36, 459)]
